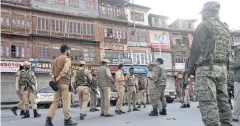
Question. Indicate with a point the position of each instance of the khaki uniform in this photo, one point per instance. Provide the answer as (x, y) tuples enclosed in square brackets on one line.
[(150, 84), (105, 88), (61, 70), (20, 94), (93, 95), (119, 77), (27, 92), (83, 89), (142, 93), (131, 90)]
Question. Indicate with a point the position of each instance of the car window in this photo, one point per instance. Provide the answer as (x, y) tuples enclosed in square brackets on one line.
[(46, 90)]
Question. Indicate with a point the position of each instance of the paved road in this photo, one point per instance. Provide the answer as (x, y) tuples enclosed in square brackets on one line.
[(184, 117)]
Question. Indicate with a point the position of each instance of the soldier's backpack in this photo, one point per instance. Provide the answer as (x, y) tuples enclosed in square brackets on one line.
[(141, 84)]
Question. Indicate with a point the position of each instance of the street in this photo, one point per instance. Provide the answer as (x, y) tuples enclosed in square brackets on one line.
[(184, 117)]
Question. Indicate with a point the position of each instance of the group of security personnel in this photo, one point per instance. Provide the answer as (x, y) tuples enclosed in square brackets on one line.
[(26, 87)]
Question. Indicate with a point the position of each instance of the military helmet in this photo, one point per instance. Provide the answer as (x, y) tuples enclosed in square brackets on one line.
[(82, 63), (26, 63), (211, 6)]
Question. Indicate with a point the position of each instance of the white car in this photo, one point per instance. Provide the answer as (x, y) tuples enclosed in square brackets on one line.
[(170, 95), (45, 96)]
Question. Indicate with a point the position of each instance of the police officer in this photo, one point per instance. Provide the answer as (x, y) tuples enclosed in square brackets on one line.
[(131, 90), (120, 83), (82, 78), (20, 104), (104, 75), (93, 95), (208, 58), (26, 84), (61, 74)]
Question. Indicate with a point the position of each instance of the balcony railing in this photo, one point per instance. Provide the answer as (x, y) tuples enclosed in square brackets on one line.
[(112, 12)]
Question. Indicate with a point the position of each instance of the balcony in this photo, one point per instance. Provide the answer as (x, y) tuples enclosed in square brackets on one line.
[(114, 40), (112, 12)]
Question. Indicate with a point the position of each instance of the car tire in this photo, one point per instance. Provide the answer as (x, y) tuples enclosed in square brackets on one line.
[(170, 101)]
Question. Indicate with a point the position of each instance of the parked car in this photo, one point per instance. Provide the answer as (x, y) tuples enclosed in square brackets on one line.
[(45, 96), (170, 95), (114, 97)]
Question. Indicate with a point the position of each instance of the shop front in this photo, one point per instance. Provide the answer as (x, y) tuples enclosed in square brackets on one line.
[(8, 74)]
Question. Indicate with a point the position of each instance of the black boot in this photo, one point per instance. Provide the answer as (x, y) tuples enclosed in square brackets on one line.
[(188, 105), (144, 106), (139, 106), (35, 114), (92, 110), (22, 113), (96, 109), (48, 121), (14, 110), (26, 115), (82, 116), (69, 122), (183, 106), (154, 112), (163, 112), (135, 109)]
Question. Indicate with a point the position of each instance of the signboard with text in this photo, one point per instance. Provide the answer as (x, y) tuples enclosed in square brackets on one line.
[(41, 67), (179, 66), (160, 40), (10, 66), (122, 60), (94, 67), (137, 69)]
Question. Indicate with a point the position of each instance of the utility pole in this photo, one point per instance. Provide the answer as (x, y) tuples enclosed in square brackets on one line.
[(118, 48)]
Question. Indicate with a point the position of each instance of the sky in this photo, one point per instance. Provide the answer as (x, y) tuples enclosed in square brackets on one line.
[(189, 9)]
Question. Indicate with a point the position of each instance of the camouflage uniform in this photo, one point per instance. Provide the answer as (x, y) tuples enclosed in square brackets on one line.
[(209, 57), (93, 95), (157, 97)]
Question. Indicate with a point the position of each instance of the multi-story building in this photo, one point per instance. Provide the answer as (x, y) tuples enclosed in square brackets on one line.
[(137, 35), (160, 44), (181, 39), (36, 32)]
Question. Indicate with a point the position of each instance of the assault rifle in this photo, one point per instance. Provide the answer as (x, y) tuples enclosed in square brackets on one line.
[(91, 86)]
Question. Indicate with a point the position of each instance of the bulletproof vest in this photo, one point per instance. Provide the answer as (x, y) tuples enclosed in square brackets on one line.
[(80, 78), (215, 49), (26, 78), (221, 39), (103, 80)]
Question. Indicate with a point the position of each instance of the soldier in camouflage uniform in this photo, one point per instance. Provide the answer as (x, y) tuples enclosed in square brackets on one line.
[(208, 56), (157, 93), (27, 84), (93, 95)]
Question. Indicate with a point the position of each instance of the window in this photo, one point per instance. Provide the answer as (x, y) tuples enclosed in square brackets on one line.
[(43, 52), (57, 25), (18, 23), (138, 16), (43, 24), (76, 55), (13, 22), (79, 28), (70, 27), (142, 58), (59, 2), (89, 54), (156, 21), (2, 20), (15, 51), (23, 23), (28, 24), (53, 25), (237, 39), (88, 29), (75, 27), (28, 51), (47, 25), (55, 53), (73, 3), (7, 21), (108, 32), (134, 58), (7, 52), (39, 23), (23, 52), (61, 26), (19, 1)]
